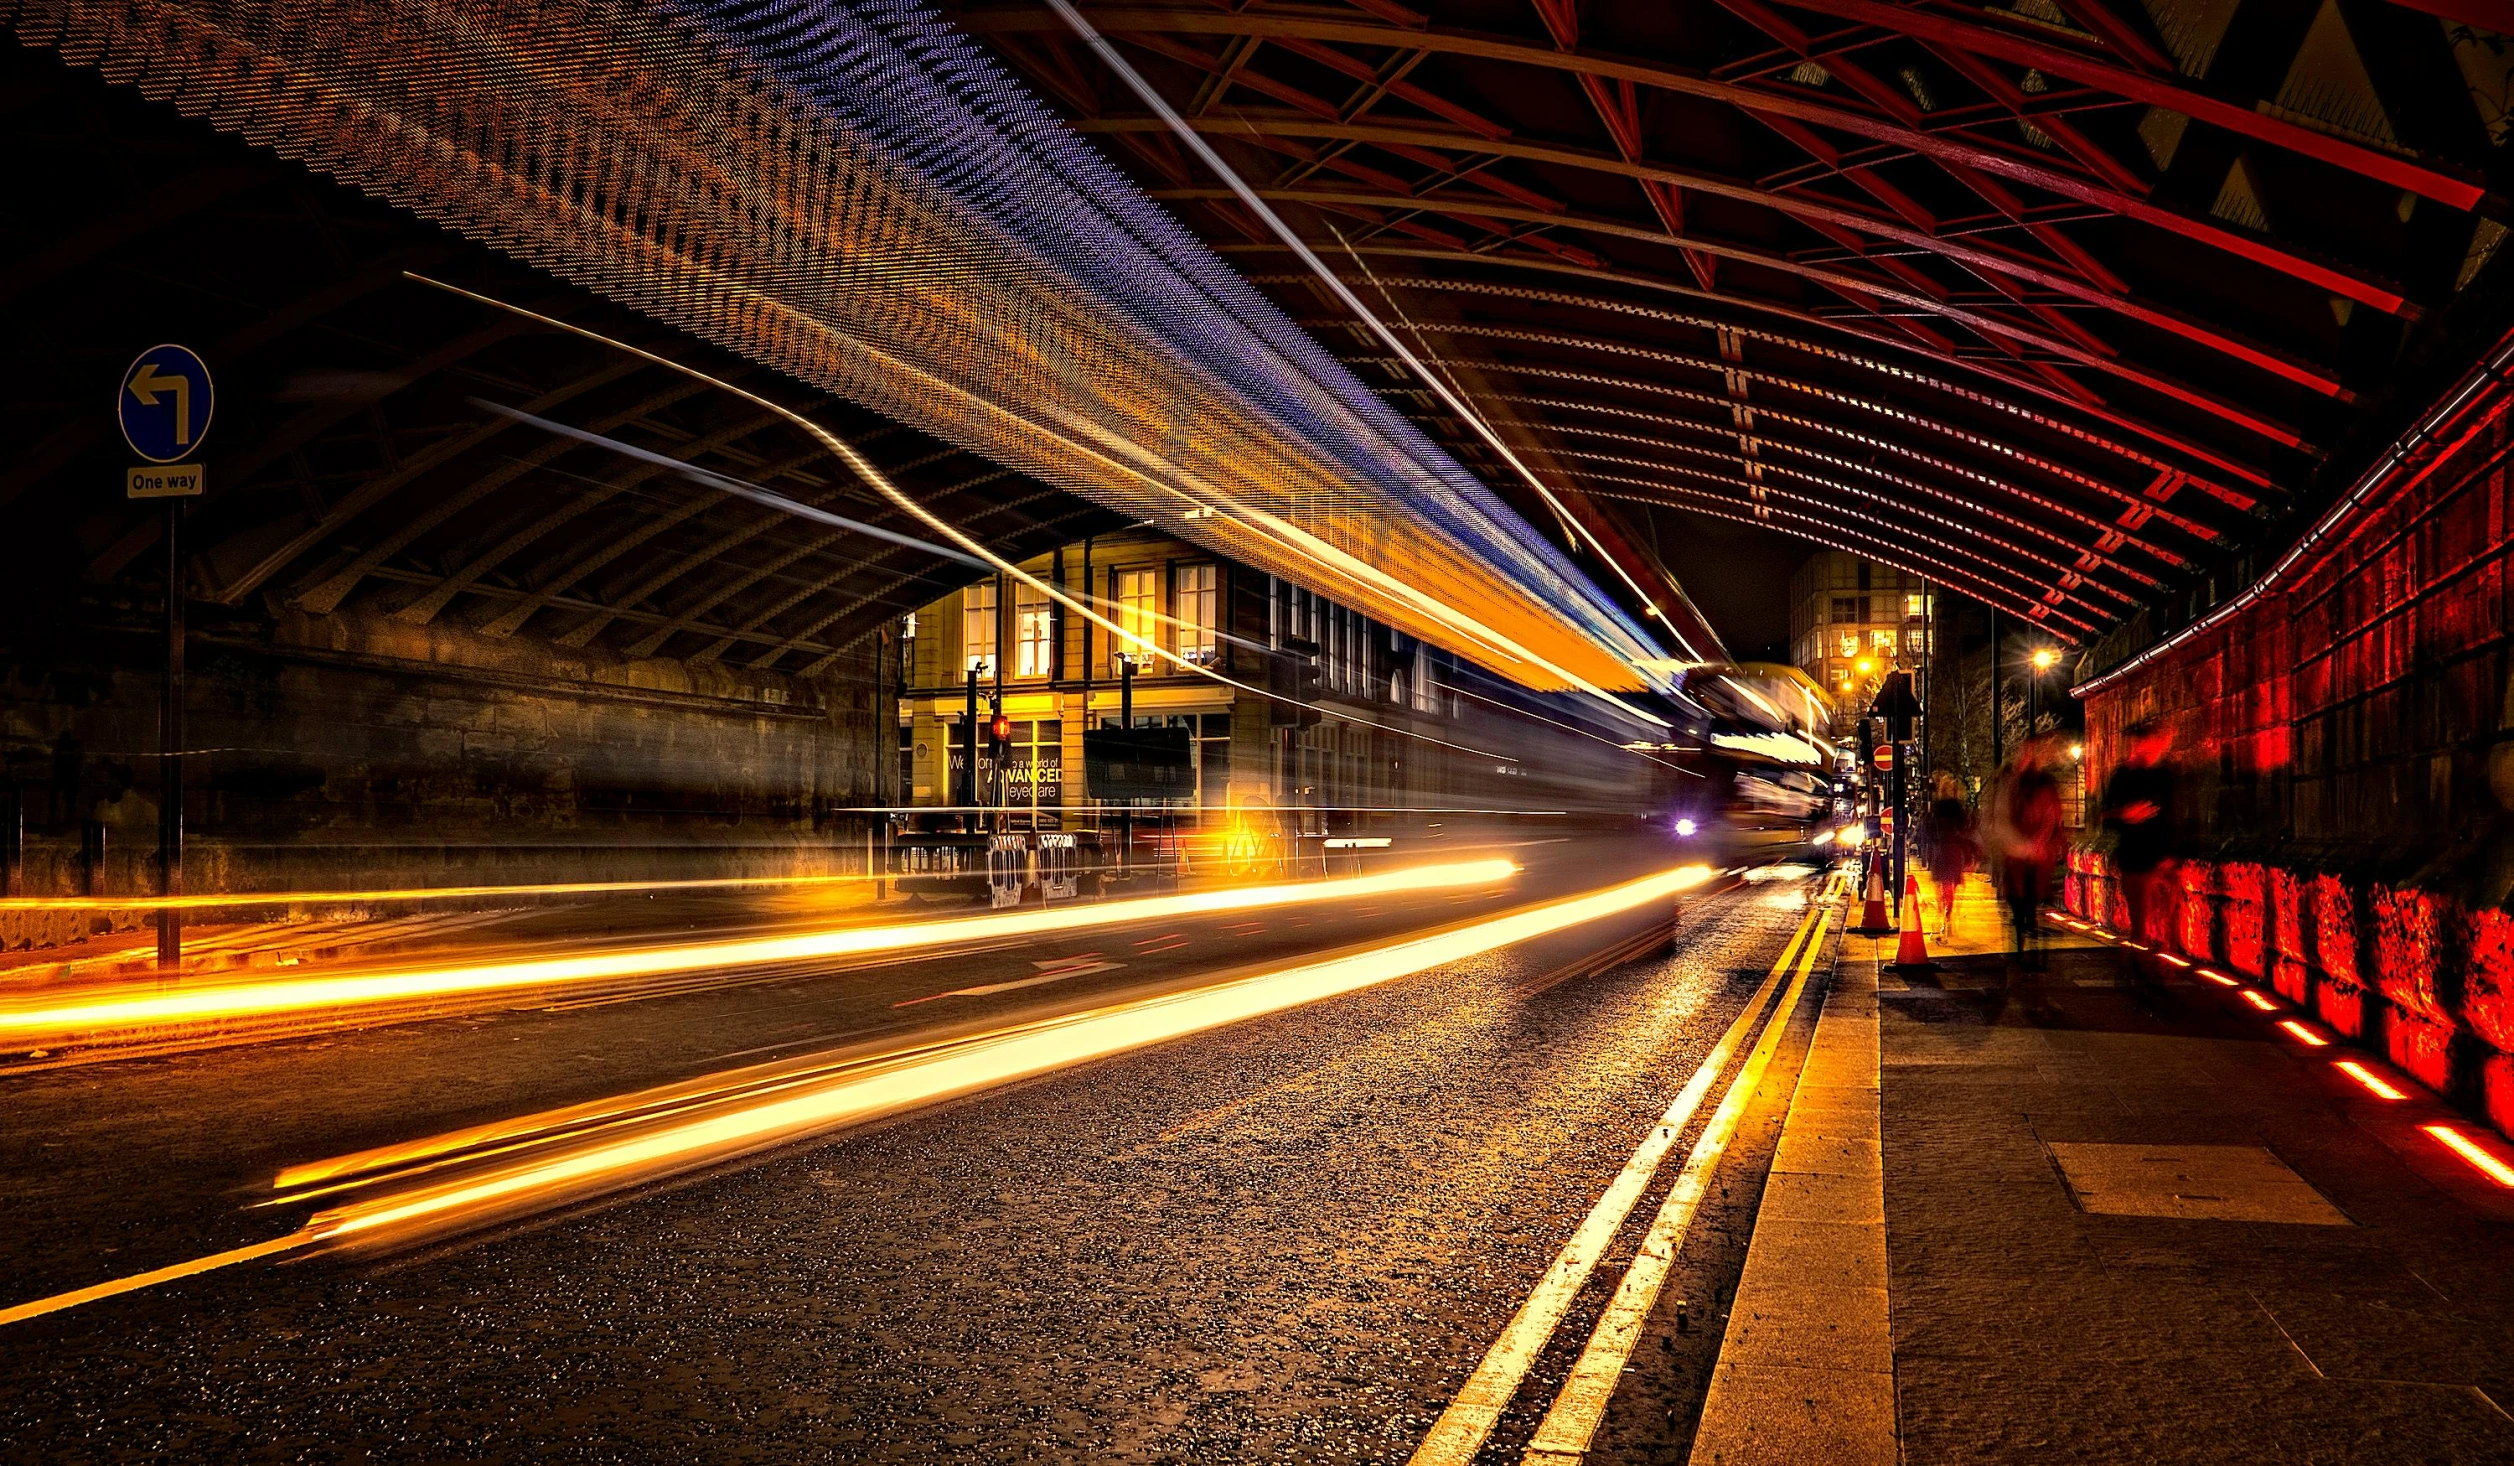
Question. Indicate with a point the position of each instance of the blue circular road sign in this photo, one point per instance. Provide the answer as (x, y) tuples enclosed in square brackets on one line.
[(164, 404)]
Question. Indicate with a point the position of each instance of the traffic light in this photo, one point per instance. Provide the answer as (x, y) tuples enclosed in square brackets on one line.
[(1000, 727)]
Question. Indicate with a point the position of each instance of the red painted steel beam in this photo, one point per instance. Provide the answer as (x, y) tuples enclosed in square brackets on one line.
[(2138, 427), (1762, 414), (2132, 308), (2070, 577), (2445, 183), (1798, 104), (2123, 36), (1896, 545), (1998, 445), (2140, 505), (2492, 15)]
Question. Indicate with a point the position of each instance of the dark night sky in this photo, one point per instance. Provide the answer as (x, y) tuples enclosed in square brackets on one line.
[(1737, 573)]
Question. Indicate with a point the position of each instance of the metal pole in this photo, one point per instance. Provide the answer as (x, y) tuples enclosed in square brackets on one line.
[(1998, 728), (1126, 720), (1928, 664), (969, 728), (170, 754)]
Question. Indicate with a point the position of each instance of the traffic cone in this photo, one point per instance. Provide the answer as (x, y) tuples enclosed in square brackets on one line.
[(1873, 920), (1912, 953)]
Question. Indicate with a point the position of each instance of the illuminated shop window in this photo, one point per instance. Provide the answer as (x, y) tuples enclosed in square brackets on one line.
[(977, 628), (1034, 633), (1194, 597)]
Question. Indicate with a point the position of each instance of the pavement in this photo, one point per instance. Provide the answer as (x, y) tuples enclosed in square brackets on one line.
[(1283, 1239), (2095, 1224), (1743, 1193)]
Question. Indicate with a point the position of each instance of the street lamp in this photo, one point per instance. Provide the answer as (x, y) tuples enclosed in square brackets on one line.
[(2043, 660)]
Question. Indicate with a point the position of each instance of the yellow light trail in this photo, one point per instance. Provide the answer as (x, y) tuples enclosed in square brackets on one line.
[(876, 1089), (423, 893), (1457, 623), (139, 1008), (1017, 1053)]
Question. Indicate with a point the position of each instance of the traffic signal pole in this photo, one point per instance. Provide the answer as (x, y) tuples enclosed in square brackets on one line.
[(969, 723), (1126, 720)]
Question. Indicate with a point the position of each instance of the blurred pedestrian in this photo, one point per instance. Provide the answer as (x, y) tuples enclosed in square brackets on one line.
[(1953, 849), (2138, 813), (2028, 842)]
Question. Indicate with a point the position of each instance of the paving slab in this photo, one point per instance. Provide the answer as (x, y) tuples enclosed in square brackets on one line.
[(2105, 1232)]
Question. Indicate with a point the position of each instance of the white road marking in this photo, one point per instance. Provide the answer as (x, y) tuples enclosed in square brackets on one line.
[(1563, 1437), (1468, 1423)]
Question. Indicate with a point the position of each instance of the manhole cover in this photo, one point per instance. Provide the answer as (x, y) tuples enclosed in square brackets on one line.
[(2225, 1183)]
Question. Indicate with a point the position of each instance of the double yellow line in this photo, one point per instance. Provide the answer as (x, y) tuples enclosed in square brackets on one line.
[(1569, 1425)]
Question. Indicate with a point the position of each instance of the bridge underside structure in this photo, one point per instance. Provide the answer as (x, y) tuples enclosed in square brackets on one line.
[(2065, 304), (860, 201), (596, 388), (428, 635)]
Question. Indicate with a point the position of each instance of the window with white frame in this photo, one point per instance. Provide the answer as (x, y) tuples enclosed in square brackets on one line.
[(977, 628), (1194, 601), (1138, 614), (1034, 633)]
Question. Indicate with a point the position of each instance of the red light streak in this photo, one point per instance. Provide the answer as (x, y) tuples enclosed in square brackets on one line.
[(2470, 1150), (2257, 1001), (2303, 1035)]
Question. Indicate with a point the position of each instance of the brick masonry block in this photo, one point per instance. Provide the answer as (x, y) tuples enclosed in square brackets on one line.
[(2246, 917), (2423, 1050), (2487, 1000), (2409, 949)]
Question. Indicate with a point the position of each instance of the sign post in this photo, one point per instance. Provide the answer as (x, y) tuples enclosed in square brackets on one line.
[(1896, 704), (164, 406)]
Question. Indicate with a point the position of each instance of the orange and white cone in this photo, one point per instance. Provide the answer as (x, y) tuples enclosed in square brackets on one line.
[(1873, 920), (1913, 951)]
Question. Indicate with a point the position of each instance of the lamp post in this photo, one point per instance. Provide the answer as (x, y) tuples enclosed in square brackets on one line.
[(2043, 660)]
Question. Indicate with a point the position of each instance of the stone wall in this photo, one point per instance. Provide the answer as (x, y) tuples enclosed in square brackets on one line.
[(2345, 748), (336, 752)]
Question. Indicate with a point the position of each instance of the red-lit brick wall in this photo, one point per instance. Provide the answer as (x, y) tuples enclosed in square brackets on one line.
[(2333, 741)]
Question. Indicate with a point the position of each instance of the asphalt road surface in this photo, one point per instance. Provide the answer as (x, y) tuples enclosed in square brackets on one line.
[(1290, 1238)]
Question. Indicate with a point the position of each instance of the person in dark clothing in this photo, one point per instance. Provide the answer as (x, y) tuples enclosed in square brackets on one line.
[(2028, 828), (1952, 850), (2138, 812)]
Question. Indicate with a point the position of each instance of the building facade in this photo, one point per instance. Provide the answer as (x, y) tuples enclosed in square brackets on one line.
[(1394, 716), (1853, 620)]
